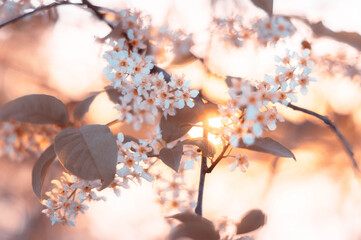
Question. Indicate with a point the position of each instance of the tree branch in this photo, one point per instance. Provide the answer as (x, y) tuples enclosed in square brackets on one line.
[(95, 10), (203, 171), (41, 8), (86, 3), (219, 158), (319, 29), (327, 121)]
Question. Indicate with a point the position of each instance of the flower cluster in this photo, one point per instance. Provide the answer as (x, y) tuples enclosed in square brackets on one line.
[(232, 30), (240, 161), (20, 139), (142, 93), (169, 46), (267, 30), (273, 29), (251, 108), (133, 162), (132, 28), (190, 156), (68, 198), (174, 195)]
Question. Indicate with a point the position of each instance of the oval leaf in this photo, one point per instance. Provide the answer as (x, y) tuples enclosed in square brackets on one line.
[(113, 94), (187, 217), (35, 108), (195, 227), (203, 144), (89, 152), (268, 145), (253, 220), (266, 5), (174, 127), (172, 156), (83, 107), (40, 168)]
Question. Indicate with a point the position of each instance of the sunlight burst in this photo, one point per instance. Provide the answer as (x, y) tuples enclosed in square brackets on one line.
[(197, 132)]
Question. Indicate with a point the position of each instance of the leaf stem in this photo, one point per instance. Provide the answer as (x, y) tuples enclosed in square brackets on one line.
[(327, 121), (203, 171)]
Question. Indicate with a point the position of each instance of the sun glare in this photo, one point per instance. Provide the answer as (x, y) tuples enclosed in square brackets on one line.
[(197, 132)]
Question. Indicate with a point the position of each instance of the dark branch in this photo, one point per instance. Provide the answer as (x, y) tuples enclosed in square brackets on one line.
[(86, 3), (319, 29), (327, 121), (96, 11), (45, 7), (203, 172)]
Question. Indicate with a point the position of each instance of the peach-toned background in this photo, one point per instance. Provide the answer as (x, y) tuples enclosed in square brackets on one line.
[(317, 197)]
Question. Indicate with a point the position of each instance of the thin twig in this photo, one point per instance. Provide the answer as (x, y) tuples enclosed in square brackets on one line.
[(95, 10), (219, 158), (41, 8), (86, 3), (203, 171), (327, 121), (112, 122)]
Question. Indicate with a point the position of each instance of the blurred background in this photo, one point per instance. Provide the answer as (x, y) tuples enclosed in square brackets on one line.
[(316, 197)]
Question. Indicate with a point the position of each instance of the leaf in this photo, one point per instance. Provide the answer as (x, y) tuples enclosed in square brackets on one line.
[(253, 220), (174, 127), (202, 144), (266, 5), (40, 169), (35, 108), (268, 145), (193, 226), (83, 106), (172, 156), (89, 152), (113, 94), (186, 217), (229, 81), (156, 70), (128, 138)]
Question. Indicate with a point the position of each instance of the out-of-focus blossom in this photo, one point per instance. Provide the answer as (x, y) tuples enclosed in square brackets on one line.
[(273, 29)]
